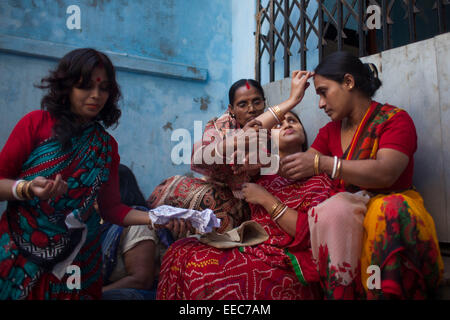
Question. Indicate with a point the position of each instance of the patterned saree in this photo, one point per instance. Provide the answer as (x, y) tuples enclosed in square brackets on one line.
[(42, 241), (399, 234), (279, 268), (216, 191)]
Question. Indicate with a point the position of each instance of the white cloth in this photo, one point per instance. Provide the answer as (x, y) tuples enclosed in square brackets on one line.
[(60, 269), (204, 221)]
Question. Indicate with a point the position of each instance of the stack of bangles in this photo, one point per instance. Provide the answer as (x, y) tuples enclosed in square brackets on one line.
[(277, 114), (278, 210), (22, 190), (337, 166)]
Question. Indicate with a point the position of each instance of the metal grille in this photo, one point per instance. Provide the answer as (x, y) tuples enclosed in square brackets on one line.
[(282, 25)]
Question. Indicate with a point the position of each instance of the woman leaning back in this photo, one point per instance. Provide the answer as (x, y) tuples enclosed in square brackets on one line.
[(370, 146), (56, 163)]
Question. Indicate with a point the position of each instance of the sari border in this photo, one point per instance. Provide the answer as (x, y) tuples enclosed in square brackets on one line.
[(296, 266)]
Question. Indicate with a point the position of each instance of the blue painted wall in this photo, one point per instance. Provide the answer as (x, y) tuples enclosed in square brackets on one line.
[(196, 34)]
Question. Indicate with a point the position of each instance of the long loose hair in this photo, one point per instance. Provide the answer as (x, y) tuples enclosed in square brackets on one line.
[(75, 70)]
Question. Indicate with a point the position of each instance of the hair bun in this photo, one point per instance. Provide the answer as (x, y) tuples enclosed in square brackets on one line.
[(372, 69), (374, 80)]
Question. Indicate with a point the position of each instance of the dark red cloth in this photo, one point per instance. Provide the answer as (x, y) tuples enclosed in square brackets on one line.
[(398, 133), (36, 127)]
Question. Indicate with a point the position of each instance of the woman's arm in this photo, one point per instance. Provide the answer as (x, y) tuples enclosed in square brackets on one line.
[(257, 194), (140, 266), (40, 187), (378, 173), (266, 120)]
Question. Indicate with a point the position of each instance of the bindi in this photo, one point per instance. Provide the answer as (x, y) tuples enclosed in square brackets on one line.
[(98, 79)]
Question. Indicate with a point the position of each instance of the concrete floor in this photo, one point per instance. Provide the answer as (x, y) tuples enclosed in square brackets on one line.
[(444, 291)]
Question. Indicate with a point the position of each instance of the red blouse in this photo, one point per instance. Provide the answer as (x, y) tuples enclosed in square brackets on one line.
[(34, 128), (398, 133)]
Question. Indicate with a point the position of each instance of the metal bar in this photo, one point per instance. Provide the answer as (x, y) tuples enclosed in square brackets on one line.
[(361, 38), (302, 35), (271, 42), (384, 14), (311, 25), (411, 20), (339, 25), (320, 35), (441, 16), (286, 39), (257, 42)]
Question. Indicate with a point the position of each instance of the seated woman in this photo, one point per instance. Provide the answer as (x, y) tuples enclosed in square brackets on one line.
[(369, 146), (219, 189), (130, 255), (192, 270), (282, 267), (56, 163)]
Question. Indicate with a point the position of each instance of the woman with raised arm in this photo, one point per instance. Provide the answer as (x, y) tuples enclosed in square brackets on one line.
[(280, 267), (56, 163), (369, 146), (220, 189)]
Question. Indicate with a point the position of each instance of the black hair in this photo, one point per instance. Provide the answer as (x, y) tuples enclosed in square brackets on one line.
[(241, 83), (130, 194), (337, 64), (305, 143), (75, 66)]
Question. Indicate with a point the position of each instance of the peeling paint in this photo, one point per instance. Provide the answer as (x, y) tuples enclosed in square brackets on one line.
[(194, 70), (168, 125), (204, 102)]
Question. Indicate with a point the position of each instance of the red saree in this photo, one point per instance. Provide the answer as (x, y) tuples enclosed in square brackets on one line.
[(280, 268), (399, 234)]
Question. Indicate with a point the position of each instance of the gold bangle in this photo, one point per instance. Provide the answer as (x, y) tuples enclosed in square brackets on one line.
[(278, 112), (275, 205), (19, 189), (27, 190), (280, 211), (275, 208), (274, 115), (316, 164), (339, 167)]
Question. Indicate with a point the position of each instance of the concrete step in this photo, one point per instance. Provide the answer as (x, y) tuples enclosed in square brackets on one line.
[(444, 289)]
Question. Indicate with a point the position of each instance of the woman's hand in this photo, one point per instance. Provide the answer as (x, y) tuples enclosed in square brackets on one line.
[(254, 193), (45, 189), (252, 124), (297, 166), (179, 228), (299, 84)]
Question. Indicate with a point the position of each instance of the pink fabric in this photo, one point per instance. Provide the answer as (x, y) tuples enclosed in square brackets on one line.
[(337, 224)]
